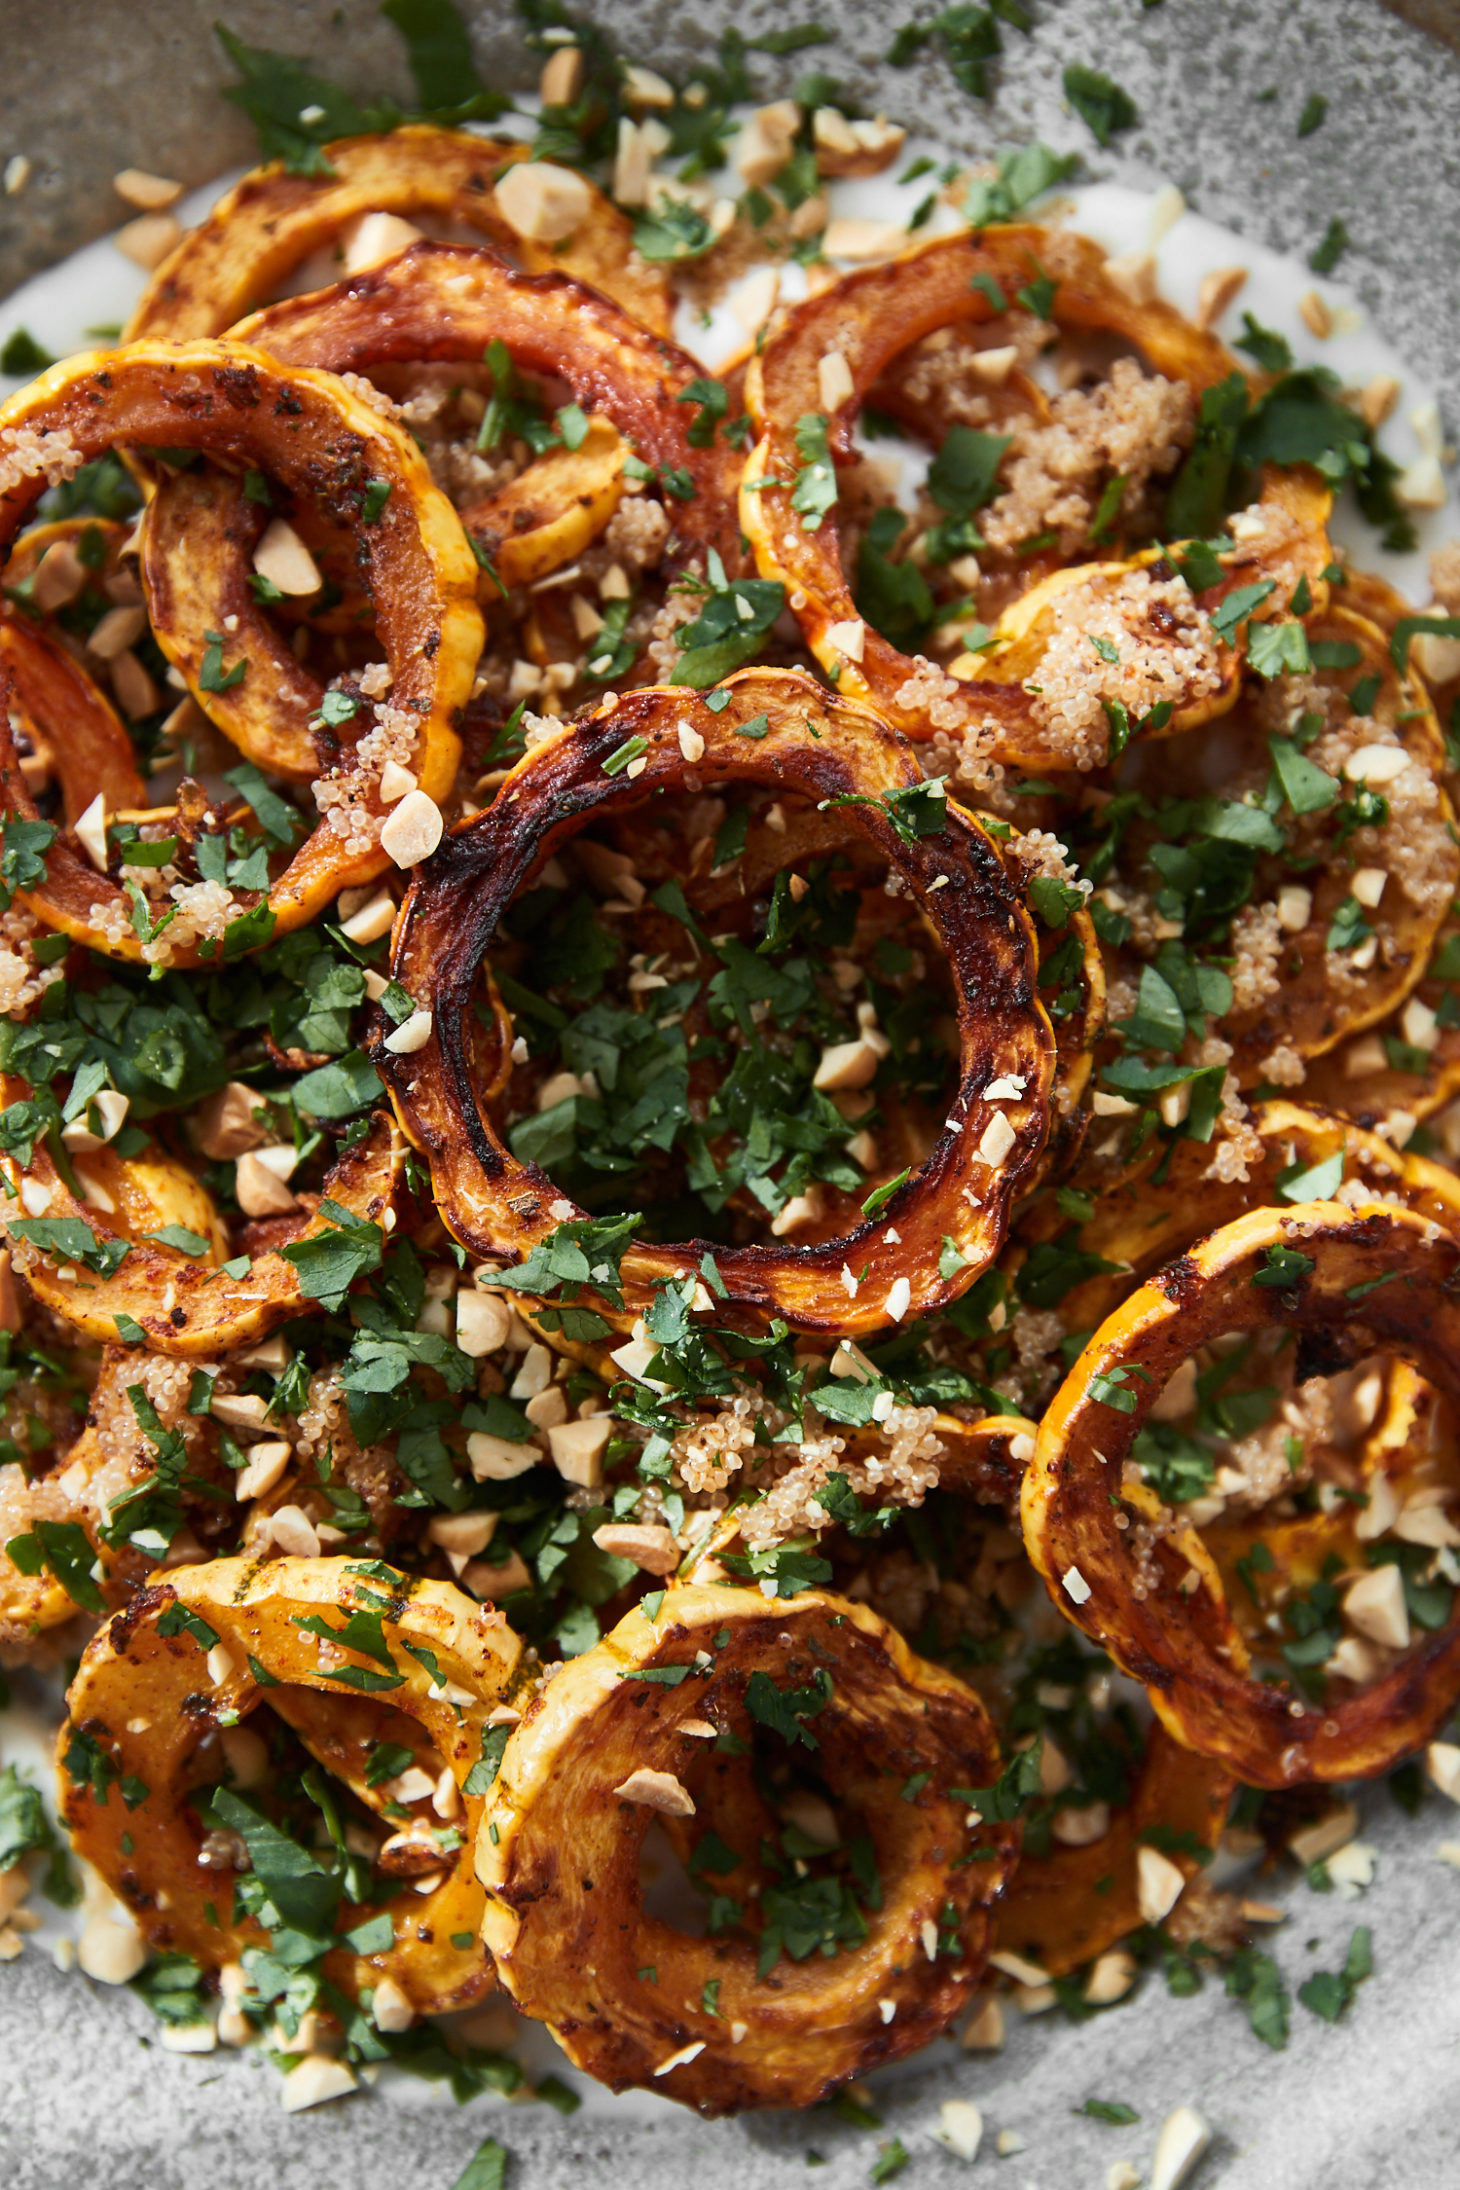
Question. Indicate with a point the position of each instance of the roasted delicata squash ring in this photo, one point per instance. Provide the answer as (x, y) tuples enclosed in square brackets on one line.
[(572, 1942), (1402, 1465), (499, 1206), (1064, 1908), (309, 431), (985, 1460), (69, 721), (184, 1304), (443, 303), (111, 1459), (267, 225), (1343, 961), (1072, 985), (151, 1689), (552, 511), (440, 302), (1142, 1221), (1405, 1066), (869, 318), (1342, 1304)]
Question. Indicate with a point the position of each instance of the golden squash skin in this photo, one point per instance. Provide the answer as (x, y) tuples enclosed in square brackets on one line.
[(558, 1851), (150, 1689)]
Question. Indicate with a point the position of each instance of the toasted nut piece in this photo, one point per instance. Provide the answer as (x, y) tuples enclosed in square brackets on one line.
[(111, 1949), (578, 1448), (1294, 907), (390, 2008), (240, 1410), (247, 1755), (1160, 1884), (862, 241), (1217, 290), (960, 2125), (562, 76), (755, 300), (1375, 1605), (1134, 275), (1363, 1057), (547, 1409), (1421, 485), (149, 193), (111, 1109), (224, 1124), (1377, 400), (846, 1064), (498, 1459), (114, 632), (1325, 1835), (413, 830), (767, 142), (285, 561), (1437, 659), (1376, 764), (260, 1190), (657, 1791), (543, 202), (292, 1530), (373, 237), (91, 831), (498, 1582), (148, 240), (535, 1373), (58, 577), (800, 1209), (374, 918), (984, 2030), (1315, 314), (482, 1322), (1442, 1765), (835, 378), (652, 1548), (462, 1536), (412, 1034), (993, 368), (1110, 1979), (396, 782), (266, 1464), (1082, 1825), (1018, 1967), (845, 147), (1184, 2137), (645, 87), (998, 1138), (136, 692), (316, 2078)]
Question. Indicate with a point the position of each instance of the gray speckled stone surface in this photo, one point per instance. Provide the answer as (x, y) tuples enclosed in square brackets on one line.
[(87, 86)]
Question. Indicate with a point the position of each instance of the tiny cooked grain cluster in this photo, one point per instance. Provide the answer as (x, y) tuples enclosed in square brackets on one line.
[(638, 1075)]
